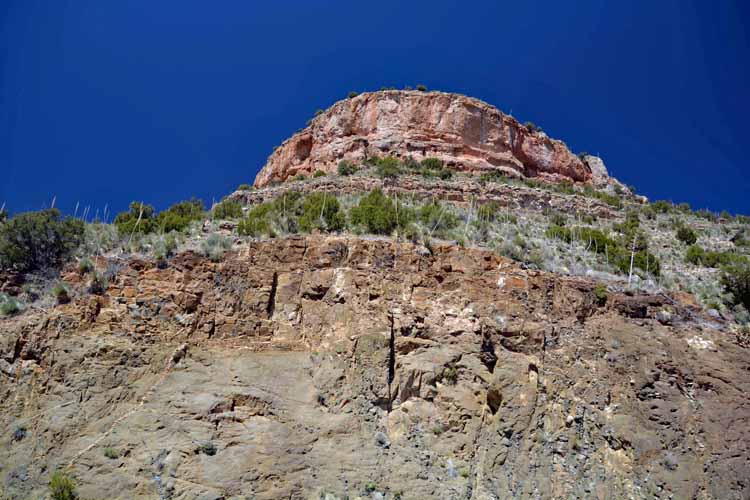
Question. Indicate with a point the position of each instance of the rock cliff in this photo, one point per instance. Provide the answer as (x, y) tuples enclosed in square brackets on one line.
[(335, 367), (325, 362), (466, 133)]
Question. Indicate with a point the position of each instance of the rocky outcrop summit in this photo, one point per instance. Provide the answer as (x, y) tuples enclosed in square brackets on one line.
[(345, 367), (466, 133)]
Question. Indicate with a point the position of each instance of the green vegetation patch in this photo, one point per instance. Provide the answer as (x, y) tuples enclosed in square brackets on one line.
[(379, 214), (38, 240)]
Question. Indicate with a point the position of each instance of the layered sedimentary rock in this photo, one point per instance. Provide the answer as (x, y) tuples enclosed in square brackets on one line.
[(463, 191), (344, 367), (466, 133)]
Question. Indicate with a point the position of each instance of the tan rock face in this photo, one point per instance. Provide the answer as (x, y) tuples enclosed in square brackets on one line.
[(466, 133), (335, 367)]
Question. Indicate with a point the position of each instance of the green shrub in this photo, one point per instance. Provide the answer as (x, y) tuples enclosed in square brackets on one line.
[(630, 231), (111, 453), (432, 163), (60, 292), (3, 215), (38, 240), (617, 253), (378, 214), (631, 224), (214, 247), (684, 208), (430, 167), (99, 238), (98, 284), (700, 257), (165, 246), (300, 178), (62, 487), (228, 209), (450, 375), (532, 127), (286, 210), (244, 187), (387, 167), (662, 206), (139, 219), (8, 305), (411, 165), (257, 222), (318, 173), (282, 213), (346, 168), (557, 232), (686, 235), (437, 217), (600, 294), (489, 211), (649, 212), (322, 212), (352, 94), (564, 187), (736, 281), (695, 255), (85, 266), (179, 216), (642, 260), (421, 88)]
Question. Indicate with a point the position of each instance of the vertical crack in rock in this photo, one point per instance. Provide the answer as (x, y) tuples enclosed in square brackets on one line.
[(272, 296), (487, 354), (391, 364)]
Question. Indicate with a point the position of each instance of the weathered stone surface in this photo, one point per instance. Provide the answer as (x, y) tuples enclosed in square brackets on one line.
[(466, 133), (599, 173), (306, 367)]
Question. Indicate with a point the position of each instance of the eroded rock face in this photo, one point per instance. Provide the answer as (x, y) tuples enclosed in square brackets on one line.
[(466, 133), (343, 366), (599, 174)]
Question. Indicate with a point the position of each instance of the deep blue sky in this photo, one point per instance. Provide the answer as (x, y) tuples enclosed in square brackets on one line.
[(109, 101)]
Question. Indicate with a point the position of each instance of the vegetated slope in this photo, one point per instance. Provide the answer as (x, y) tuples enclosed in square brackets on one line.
[(347, 366), (402, 323)]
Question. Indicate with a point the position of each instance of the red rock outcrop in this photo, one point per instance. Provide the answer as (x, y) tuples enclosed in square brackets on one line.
[(466, 133)]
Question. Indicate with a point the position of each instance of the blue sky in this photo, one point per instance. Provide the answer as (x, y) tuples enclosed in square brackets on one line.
[(104, 102)]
